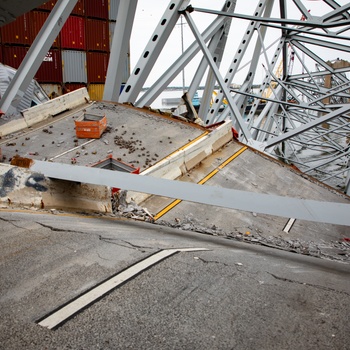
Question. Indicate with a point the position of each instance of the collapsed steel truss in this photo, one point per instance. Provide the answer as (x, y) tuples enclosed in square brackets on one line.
[(300, 111)]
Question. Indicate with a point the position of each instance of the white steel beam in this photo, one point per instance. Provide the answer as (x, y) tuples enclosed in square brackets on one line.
[(311, 210), (217, 48), (155, 90), (153, 49), (318, 121), (119, 50), (236, 60), (35, 55), (241, 100), (235, 112)]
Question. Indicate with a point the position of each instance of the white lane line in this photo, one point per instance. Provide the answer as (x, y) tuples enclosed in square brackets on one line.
[(88, 298), (72, 149), (289, 225)]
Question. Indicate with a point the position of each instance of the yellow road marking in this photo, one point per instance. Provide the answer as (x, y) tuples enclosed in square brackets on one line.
[(189, 143), (167, 208), (201, 182)]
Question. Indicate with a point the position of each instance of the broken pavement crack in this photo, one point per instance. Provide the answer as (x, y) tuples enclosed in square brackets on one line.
[(11, 222), (131, 246), (55, 229), (308, 284)]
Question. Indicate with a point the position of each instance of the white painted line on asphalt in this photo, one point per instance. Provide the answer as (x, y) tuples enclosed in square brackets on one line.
[(289, 225), (67, 311)]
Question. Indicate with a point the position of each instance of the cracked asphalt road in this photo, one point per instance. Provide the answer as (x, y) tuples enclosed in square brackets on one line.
[(233, 296)]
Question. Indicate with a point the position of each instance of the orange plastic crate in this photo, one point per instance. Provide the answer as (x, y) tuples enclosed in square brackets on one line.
[(91, 127)]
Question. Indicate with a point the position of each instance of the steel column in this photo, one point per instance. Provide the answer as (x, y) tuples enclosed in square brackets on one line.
[(150, 54), (165, 79), (245, 132), (119, 49), (35, 55)]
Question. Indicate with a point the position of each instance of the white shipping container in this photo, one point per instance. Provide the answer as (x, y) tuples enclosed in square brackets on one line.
[(113, 9), (52, 90), (126, 72), (74, 66)]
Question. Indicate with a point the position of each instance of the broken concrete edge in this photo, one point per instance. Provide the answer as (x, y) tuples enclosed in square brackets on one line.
[(40, 113), (158, 113), (186, 158), (21, 187), (13, 126), (297, 171)]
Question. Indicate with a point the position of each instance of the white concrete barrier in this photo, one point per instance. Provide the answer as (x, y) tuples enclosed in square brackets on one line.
[(186, 158), (21, 187), (13, 126), (58, 105), (46, 110)]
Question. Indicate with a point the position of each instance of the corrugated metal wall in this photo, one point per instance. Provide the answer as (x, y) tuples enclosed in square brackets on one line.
[(96, 91), (50, 70), (97, 35), (127, 62), (96, 9), (37, 20), (13, 55), (74, 66), (52, 90), (79, 8), (113, 10), (49, 5), (17, 32), (68, 87), (73, 33), (97, 64), (78, 57)]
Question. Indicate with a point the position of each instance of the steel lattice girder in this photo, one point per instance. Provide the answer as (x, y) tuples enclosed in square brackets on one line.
[(35, 55), (308, 104)]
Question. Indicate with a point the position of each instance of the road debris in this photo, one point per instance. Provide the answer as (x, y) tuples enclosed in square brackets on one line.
[(130, 210), (334, 250)]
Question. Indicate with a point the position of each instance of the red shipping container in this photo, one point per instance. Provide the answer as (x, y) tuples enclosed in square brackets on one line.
[(97, 64), (37, 20), (69, 87), (96, 8), (48, 5), (79, 8), (13, 55), (50, 70), (97, 35), (73, 33), (17, 32)]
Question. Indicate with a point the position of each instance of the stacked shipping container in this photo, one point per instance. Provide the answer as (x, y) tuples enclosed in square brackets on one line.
[(79, 55)]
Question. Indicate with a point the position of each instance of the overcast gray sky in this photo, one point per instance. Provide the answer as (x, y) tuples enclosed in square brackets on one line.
[(149, 13)]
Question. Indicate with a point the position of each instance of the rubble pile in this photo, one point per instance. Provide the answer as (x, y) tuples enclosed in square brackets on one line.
[(130, 210), (190, 223), (335, 250)]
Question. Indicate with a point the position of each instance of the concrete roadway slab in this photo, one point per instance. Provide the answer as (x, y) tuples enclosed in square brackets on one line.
[(254, 172), (232, 296), (144, 138)]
